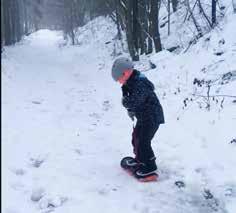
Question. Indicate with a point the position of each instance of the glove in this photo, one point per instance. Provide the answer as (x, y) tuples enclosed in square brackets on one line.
[(131, 115)]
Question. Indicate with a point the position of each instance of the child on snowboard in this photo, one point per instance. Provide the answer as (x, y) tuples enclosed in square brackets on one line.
[(142, 103)]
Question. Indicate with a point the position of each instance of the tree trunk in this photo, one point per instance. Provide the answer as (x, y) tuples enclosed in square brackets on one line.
[(2, 26), (154, 14), (168, 17), (18, 21), (136, 31), (174, 5), (234, 5), (118, 21), (150, 42), (213, 12), (203, 12), (143, 22), (7, 21), (199, 30), (129, 30)]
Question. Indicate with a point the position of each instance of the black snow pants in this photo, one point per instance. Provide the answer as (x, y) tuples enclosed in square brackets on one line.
[(142, 135)]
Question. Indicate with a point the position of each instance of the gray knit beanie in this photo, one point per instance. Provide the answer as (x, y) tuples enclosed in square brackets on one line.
[(119, 66)]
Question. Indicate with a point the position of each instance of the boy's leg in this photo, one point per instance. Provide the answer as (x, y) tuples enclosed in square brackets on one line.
[(134, 141), (130, 163), (144, 135)]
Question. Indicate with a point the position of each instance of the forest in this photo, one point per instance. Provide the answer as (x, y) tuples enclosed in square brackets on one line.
[(138, 19)]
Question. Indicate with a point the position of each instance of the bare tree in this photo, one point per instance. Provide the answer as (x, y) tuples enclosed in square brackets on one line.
[(2, 26), (174, 5), (168, 17), (140, 19), (196, 24), (19, 17), (154, 19), (213, 12), (234, 5)]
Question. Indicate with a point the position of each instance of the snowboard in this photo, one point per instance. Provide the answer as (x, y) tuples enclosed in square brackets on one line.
[(131, 171)]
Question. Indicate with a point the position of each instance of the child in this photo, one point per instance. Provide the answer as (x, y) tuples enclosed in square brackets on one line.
[(141, 102)]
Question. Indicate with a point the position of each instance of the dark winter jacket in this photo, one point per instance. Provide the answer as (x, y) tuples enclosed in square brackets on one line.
[(139, 98)]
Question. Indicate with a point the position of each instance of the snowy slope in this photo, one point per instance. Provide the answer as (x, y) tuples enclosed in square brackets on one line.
[(65, 131)]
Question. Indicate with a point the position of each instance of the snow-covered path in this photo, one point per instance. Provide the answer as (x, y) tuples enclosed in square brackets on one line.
[(64, 133)]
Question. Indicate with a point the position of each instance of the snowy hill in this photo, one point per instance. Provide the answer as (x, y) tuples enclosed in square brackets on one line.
[(65, 131)]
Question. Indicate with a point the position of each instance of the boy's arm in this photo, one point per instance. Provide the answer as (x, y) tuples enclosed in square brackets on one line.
[(138, 97), (125, 91)]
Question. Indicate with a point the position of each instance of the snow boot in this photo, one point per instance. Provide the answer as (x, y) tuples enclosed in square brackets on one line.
[(147, 171), (130, 164)]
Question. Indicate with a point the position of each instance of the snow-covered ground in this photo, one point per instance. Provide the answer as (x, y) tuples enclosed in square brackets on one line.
[(65, 131)]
